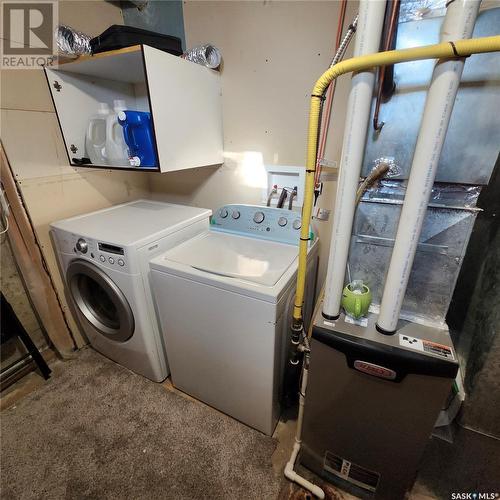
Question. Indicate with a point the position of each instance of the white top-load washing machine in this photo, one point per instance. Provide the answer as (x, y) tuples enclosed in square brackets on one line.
[(225, 301), (104, 258)]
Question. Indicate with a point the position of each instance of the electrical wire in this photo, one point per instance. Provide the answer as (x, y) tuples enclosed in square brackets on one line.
[(5, 221), (4, 215)]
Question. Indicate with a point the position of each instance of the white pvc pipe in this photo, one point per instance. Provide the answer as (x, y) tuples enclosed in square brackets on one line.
[(458, 23), (368, 34), (289, 467), (296, 478)]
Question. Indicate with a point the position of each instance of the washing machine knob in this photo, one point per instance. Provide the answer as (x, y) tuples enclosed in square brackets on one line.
[(81, 245), (235, 214), (258, 217), (282, 221), (223, 212), (297, 224)]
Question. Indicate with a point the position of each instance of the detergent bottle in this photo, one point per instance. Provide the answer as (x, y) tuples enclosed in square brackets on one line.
[(95, 138), (116, 150), (138, 133)]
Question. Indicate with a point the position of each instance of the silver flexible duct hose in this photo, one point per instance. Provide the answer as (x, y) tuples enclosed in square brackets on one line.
[(72, 42), (206, 55)]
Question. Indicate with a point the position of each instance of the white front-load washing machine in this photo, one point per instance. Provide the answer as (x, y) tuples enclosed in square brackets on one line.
[(103, 257), (225, 300)]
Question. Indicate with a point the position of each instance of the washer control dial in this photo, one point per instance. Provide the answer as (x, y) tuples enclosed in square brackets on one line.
[(297, 224), (235, 214), (121, 262), (102, 258), (81, 245), (223, 212), (282, 221), (258, 217), (111, 260)]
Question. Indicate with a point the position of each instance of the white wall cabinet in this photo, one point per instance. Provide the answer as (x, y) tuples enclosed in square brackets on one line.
[(184, 100)]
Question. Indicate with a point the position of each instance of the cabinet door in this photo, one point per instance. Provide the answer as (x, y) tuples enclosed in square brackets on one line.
[(187, 111)]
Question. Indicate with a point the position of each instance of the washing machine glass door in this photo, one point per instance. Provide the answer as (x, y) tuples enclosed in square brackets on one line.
[(100, 301)]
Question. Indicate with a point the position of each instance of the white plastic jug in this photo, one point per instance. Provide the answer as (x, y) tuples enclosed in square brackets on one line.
[(95, 139), (116, 150)]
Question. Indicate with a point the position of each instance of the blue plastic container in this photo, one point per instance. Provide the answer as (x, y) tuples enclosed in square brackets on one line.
[(138, 134)]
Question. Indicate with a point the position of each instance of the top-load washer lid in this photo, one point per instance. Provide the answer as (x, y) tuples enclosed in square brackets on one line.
[(257, 261)]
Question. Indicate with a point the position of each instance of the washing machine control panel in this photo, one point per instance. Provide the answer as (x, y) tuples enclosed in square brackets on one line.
[(102, 253), (276, 224)]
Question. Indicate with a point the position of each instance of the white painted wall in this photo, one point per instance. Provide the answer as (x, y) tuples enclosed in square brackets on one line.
[(51, 189), (273, 52)]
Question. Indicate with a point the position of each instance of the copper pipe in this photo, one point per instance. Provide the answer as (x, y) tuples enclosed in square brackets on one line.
[(386, 87), (330, 95)]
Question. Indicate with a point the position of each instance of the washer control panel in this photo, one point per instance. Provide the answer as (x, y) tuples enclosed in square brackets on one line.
[(104, 254), (276, 224), (111, 255)]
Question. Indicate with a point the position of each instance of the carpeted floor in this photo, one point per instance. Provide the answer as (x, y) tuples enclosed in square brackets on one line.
[(124, 437), (96, 430)]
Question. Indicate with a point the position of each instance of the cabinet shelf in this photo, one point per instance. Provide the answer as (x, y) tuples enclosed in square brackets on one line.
[(184, 100)]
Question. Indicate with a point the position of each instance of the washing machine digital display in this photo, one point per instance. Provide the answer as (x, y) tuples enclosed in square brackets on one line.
[(105, 247)]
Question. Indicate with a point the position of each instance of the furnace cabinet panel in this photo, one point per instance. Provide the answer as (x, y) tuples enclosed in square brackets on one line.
[(184, 100)]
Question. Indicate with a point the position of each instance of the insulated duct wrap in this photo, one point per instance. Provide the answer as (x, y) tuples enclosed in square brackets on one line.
[(72, 42)]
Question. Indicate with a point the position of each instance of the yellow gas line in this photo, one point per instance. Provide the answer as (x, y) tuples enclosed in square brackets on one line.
[(445, 50)]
